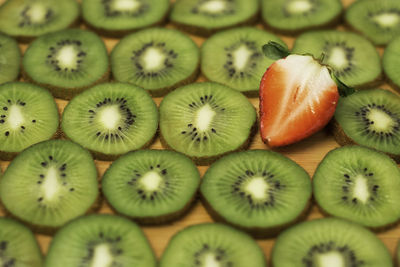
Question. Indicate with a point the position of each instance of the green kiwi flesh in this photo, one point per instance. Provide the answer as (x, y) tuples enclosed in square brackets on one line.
[(18, 246), (329, 242), (111, 119), (205, 17), (391, 62), (291, 16), (354, 60), (66, 62), (206, 120), (235, 58), (152, 186), (156, 59), (100, 240), (358, 184), (212, 245), (10, 59), (379, 21), (27, 19), (49, 184), (370, 118), (121, 16), (257, 190), (28, 115)]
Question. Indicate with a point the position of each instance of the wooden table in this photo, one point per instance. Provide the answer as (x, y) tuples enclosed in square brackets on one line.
[(307, 153)]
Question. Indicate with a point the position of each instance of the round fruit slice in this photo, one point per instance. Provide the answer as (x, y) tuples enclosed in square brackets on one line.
[(379, 21), (257, 190), (299, 15), (329, 242), (18, 246), (10, 59), (100, 240), (111, 119), (206, 120), (212, 245), (370, 118), (49, 184), (354, 60), (152, 186), (66, 62), (359, 184), (205, 17), (234, 58), (116, 17), (26, 19), (391, 62), (157, 60), (28, 115)]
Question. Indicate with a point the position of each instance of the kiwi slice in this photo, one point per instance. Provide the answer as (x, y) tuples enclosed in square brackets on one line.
[(151, 186), (100, 240), (379, 20), (259, 191), (49, 184), (111, 119), (205, 17), (10, 59), (18, 246), (66, 62), (329, 242), (370, 118), (156, 59), (118, 17), (206, 120), (26, 19), (234, 58), (28, 115), (391, 62), (212, 245), (353, 59), (359, 184), (290, 16)]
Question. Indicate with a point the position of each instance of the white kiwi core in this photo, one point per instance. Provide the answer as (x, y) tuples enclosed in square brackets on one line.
[(213, 6), (331, 259), (257, 188), (204, 117), (109, 117), (241, 57), (151, 181), (299, 6), (102, 256), (16, 117)]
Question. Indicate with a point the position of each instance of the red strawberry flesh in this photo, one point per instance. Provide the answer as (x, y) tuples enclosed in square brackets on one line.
[(297, 98)]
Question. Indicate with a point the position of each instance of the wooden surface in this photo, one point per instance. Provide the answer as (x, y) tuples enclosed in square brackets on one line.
[(307, 153)]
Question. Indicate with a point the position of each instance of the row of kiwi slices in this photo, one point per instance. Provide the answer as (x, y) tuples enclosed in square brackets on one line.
[(26, 19), (202, 120), (259, 191), (109, 240), (159, 60)]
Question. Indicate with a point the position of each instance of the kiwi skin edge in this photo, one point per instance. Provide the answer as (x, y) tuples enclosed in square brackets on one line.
[(8, 156), (342, 139), (122, 33), (63, 93), (28, 39), (331, 24), (47, 230), (204, 161), (198, 30), (256, 232), (167, 218)]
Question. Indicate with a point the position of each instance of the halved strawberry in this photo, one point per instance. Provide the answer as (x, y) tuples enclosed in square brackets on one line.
[(298, 97)]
